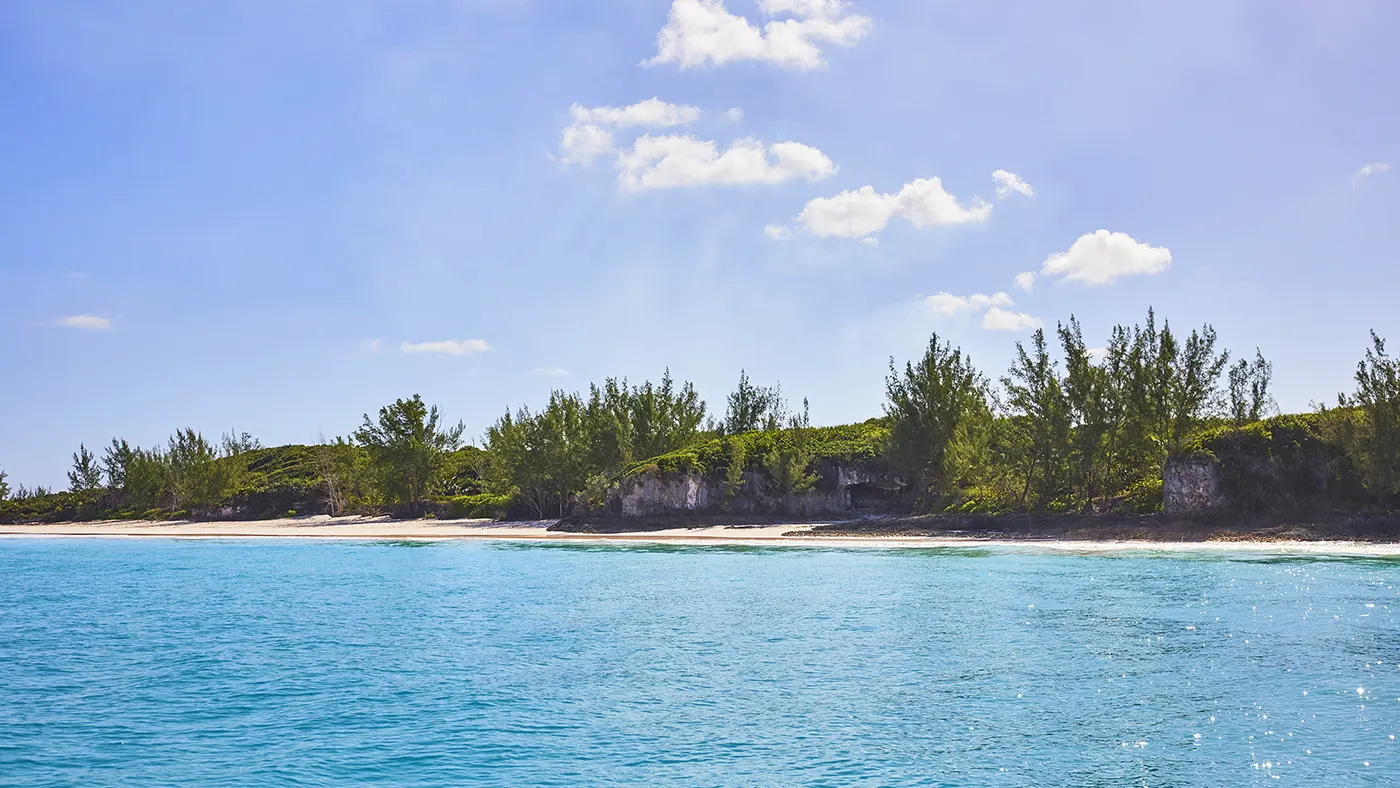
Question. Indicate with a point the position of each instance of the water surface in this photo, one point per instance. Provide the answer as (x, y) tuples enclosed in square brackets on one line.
[(301, 662)]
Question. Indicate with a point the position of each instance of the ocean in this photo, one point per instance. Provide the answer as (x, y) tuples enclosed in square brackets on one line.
[(285, 662)]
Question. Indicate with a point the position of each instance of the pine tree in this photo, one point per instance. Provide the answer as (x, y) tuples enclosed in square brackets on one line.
[(1041, 418), (406, 445), (116, 462), (1250, 399), (753, 408), (86, 473), (926, 404), (1378, 396)]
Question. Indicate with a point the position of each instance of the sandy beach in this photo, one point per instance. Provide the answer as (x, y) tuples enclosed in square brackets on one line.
[(790, 534)]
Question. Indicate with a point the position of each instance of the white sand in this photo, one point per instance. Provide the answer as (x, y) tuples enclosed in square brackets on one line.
[(384, 528)]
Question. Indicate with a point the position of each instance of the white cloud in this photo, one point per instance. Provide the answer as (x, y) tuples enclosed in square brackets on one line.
[(1366, 171), (870, 240), (1025, 281), (85, 322), (589, 135), (581, 143), (1098, 353), (777, 232), (450, 347), (676, 160), (1098, 258), (372, 345), (952, 305), (998, 319), (549, 372), (734, 115), (652, 113), (1009, 183), (855, 214), (703, 31)]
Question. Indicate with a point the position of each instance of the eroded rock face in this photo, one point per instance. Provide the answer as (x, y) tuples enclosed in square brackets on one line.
[(653, 493), (1191, 485), (657, 493)]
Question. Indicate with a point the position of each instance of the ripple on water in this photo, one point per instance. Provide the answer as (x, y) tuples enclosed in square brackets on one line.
[(283, 662)]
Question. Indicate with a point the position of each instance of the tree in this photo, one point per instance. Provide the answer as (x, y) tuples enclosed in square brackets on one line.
[(1089, 403), (86, 474), (1117, 390), (926, 404), (1378, 396), (340, 465), (4, 487), (235, 443), (197, 479), (788, 462), (1194, 385), (608, 417), (147, 479), (1250, 399), (753, 408), (406, 446), (116, 462), (1040, 415), (664, 418), (543, 455), (1167, 389), (623, 424)]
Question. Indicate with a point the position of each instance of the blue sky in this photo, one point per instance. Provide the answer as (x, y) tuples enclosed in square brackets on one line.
[(251, 215)]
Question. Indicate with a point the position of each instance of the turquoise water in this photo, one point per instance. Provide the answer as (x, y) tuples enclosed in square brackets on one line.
[(292, 662)]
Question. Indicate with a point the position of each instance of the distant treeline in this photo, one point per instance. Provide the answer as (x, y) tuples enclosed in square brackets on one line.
[(1068, 428)]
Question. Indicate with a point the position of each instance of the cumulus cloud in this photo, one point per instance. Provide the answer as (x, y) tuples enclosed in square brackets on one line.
[(998, 319), (581, 143), (856, 214), (996, 316), (734, 115), (590, 134), (953, 305), (1025, 281), (1099, 258), (1009, 183), (653, 113), (85, 322), (448, 347), (676, 160), (700, 32), (549, 372), (1374, 168), (777, 232)]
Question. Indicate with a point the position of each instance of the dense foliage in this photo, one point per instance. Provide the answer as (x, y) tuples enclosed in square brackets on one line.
[(550, 457), (1070, 427)]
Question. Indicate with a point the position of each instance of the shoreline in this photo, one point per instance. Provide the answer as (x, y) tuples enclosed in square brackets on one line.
[(767, 535)]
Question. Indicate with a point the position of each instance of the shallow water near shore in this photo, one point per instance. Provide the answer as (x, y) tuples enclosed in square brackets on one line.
[(286, 662)]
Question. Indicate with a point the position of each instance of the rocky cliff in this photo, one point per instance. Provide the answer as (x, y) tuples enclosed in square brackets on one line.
[(839, 487), (1287, 463)]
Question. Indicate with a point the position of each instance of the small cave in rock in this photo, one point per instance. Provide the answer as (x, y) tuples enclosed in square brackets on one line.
[(868, 495)]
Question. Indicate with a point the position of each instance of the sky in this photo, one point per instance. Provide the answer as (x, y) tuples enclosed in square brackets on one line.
[(276, 217)]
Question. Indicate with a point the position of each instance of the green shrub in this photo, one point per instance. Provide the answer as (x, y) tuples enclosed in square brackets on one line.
[(482, 505), (1144, 496)]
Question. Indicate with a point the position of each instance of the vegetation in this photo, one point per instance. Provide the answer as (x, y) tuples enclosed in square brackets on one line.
[(407, 448), (753, 408), (1067, 428), (930, 407), (549, 458)]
